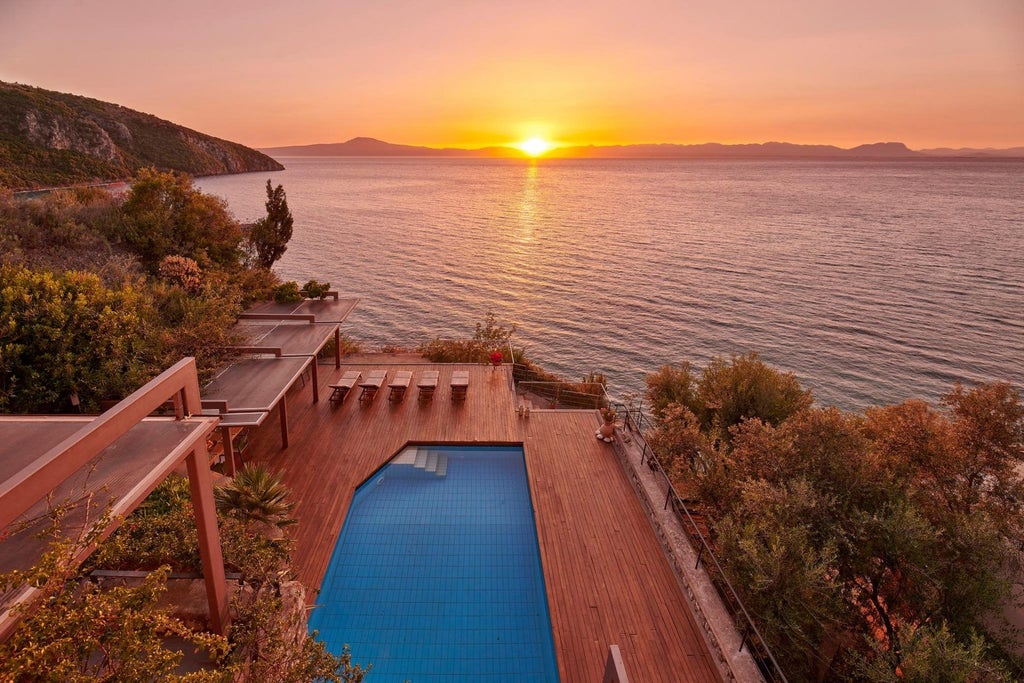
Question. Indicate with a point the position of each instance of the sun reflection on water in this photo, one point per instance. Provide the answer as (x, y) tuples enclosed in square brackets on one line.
[(528, 210)]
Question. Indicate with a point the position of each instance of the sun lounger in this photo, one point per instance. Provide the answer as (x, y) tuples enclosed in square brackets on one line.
[(460, 384), (344, 385), (427, 384), (374, 380), (398, 385)]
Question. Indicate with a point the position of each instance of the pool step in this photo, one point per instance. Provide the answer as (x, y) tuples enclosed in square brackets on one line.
[(426, 459), (406, 457)]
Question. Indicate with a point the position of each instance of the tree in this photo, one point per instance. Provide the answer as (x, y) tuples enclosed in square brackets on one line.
[(746, 387), (864, 534), (934, 653), (672, 384), (164, 215), (269, 236)]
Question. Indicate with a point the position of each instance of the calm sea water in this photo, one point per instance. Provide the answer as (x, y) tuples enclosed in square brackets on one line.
[(873, 282)]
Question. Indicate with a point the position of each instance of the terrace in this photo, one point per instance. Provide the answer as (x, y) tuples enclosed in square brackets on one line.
[(607, 579)]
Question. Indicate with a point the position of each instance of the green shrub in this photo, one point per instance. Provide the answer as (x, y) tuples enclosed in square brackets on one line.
[(67, 335), (487, 337), (182, 271), (75, 631), (287, 293), (348, 345), (315, 290), (100, 336)]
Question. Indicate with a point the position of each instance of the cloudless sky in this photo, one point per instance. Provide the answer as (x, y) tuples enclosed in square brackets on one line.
[(465, 73)]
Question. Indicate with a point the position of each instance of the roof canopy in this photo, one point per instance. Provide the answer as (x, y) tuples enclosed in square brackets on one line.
[(90, 465)]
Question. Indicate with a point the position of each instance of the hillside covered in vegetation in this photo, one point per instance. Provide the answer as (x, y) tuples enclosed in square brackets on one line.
[(99, 292), (51, 139)]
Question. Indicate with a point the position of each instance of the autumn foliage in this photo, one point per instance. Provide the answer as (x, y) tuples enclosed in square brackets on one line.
[(870, 547)]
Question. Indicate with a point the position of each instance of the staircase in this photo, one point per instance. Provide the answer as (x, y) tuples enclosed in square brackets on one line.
[(423, 458)]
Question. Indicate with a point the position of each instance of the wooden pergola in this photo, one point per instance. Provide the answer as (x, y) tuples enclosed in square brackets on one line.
[(329, 310), (105, 464), (253, 386), (246, 392), (289, 339)]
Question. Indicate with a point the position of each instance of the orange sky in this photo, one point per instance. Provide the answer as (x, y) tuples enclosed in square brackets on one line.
[(474, 73)]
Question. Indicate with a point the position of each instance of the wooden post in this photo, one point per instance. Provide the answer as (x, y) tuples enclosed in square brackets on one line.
[(614, 668), (337, 347), (229, 451), (282, 406), (316, 380), (179, 405), (201, 485)]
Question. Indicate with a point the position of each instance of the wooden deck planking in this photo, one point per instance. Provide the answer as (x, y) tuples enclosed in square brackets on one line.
[(607, 578), (608, 581)]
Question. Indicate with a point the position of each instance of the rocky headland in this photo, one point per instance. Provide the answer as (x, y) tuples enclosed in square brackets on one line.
[(52, 139)]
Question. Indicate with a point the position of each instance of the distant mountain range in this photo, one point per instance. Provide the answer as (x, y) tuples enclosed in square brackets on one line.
[(370, 147), (52, 139)]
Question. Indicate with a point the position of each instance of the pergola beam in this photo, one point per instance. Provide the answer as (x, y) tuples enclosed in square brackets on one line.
[(28, 486)]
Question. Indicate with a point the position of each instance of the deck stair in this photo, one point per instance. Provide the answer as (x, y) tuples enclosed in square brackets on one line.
[(421, 458), (425, 459)]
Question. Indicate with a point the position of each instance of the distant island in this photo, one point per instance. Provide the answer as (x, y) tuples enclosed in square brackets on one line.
[(52, 139), (370, 147)]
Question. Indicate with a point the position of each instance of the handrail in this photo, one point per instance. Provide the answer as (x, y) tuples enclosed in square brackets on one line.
[(568, 393), (55, 465), (758, 647)]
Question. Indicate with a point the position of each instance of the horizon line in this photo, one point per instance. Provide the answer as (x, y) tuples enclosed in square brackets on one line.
[(512, 146)]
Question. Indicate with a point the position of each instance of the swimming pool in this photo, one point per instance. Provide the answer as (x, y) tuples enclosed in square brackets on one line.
[(436, 575)]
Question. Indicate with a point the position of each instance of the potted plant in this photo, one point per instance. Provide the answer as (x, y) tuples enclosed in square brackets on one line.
[(315, 290), (496, 358)]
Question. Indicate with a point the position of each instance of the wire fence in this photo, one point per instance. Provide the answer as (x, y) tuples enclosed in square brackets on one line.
[(594, 395), (751, 638)]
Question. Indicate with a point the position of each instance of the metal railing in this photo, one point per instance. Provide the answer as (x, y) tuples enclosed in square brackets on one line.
[(751, 637), (558, 393), (572, 395)]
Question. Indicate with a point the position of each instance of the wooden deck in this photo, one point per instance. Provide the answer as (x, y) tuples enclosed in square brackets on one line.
[(607, 579)]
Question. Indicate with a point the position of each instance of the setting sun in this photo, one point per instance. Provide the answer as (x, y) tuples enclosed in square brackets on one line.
[(534, 146)]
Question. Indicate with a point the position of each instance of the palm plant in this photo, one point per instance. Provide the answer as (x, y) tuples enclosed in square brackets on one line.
[(255, 495)]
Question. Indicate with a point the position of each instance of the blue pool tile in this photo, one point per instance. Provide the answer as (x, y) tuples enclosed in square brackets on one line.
[(438, 578)]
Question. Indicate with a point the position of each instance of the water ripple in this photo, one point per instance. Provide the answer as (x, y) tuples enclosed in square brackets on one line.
[(873, 282)]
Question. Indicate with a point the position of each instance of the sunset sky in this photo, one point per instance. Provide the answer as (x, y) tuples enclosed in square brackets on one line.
[(929, 73)]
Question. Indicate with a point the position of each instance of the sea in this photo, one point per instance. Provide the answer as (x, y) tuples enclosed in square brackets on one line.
[(873, 282)]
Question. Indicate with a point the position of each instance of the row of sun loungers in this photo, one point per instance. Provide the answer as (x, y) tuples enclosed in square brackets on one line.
[(399, 384)]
